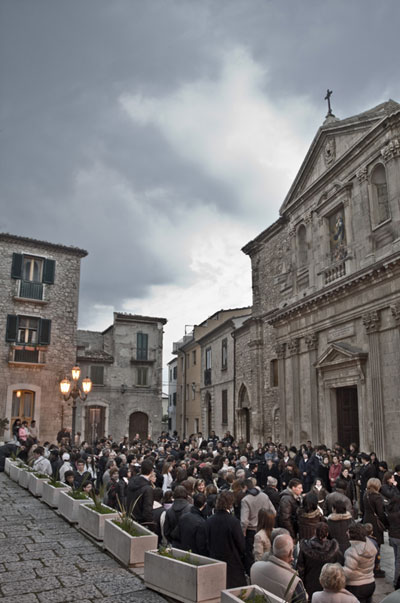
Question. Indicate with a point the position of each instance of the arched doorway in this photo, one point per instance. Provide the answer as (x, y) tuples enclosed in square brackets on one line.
[(94, 423), (243, 415), (138, 423)]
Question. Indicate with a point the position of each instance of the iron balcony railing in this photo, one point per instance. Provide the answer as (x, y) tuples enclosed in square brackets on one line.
[(31, 290)]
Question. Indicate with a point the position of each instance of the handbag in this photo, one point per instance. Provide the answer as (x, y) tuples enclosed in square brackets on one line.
[(379, 523)]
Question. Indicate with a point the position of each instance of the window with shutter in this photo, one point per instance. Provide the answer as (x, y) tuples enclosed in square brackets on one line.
[(225, 406), (16, 266), (142, 375), (97, 374), (44, 333), (142, 346), (49, 271), (12, 326)]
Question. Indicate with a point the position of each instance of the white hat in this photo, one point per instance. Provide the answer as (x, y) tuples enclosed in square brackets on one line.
[(65, 456)]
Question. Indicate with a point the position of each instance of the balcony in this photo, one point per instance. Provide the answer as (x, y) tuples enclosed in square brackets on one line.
[(27, 355), (207, 377), (30, 290), (334, 272)]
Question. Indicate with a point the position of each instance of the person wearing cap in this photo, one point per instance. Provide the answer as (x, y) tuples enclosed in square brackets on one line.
[(66, 465)]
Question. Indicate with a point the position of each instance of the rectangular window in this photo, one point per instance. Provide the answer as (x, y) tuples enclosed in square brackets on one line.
[(23, 405), (174, 398), (193, 391), (142, 341), (196, 425), (224, 354), (32, 269), (28, 330), (142, 375), (225, 406), (97, 374), (208, 358), (274, 379), (194, 357), (32, 272), (175, 372)]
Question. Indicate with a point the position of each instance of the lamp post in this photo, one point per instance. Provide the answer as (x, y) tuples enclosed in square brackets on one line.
[(75, 392)]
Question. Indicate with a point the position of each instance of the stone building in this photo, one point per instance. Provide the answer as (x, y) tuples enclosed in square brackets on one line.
[(190, 417), (321, 353), (217, 386), (39, 294), (124, 363)]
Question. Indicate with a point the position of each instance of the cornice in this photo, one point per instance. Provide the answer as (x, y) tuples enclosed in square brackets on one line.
[(327, 293)]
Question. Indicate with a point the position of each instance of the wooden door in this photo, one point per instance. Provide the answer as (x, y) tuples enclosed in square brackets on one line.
[(23, 405), (95, 423), (347, 416), (138, 423)]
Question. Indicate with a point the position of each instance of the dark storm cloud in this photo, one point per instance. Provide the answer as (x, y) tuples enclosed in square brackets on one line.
[(76, 169)]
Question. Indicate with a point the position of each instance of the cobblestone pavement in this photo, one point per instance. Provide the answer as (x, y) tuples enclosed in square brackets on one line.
[(45, 560)]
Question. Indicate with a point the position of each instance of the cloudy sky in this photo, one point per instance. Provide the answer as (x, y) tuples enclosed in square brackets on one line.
[(163, 135)]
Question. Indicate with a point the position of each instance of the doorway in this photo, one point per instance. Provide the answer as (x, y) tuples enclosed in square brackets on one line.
[(347, 416), (138, 423), (95, 423)]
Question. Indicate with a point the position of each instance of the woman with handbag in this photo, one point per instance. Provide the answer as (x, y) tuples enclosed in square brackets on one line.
[(374, 513)]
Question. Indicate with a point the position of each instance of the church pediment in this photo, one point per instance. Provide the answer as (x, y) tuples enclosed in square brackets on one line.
[(340, 353), (334, 139)]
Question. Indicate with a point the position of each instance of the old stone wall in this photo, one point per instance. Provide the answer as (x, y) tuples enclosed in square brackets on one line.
[(60, 305)]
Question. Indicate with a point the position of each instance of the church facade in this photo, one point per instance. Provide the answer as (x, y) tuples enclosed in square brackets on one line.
[(320, 357)]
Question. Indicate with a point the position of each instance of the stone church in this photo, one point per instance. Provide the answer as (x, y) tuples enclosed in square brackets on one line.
[(320, 357)]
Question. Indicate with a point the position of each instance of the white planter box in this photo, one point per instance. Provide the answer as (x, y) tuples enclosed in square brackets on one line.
[(15, 471), (128, 549), (50, 494), (68, 507), (232, 595), (183, 581), (7, 465), (92, 522), (35, 485), (24, 477)]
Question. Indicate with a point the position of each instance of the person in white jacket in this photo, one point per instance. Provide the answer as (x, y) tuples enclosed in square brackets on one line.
[(66, 466), (167, 477), (41, 464), (359, 561)]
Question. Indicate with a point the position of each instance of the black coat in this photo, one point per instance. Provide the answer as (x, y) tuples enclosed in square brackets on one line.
[(287, 516), (338, 524), (373, 509), (313, 554), (226, 543), (273, 496), (192, 528), (366, 471), (171, 524), (139, 500)]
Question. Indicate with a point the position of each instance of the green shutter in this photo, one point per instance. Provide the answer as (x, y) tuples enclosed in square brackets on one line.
[(48, 271), (12, 327), (141, 346), (16, 266), (44, 331)]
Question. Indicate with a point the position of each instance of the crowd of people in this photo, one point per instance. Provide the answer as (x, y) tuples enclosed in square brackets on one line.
[(303, 523)]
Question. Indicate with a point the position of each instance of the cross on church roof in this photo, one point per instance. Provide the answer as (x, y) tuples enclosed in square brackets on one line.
[(328, 98)]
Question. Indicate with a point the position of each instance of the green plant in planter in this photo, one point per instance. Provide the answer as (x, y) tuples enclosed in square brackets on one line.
[(98, 505), (3, 425), (41, 475), (53, 481), (21, 465), (254, 597), (125, 522), (14, 455), (166, 551), (78, 495)]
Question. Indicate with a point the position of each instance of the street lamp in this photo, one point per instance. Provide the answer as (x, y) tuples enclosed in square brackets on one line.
[(75, 392)]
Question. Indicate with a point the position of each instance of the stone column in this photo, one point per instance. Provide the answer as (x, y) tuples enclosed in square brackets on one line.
[(391, 157), (311, 342), (280, 350), (294, 348), (371, 322), (362, 176)]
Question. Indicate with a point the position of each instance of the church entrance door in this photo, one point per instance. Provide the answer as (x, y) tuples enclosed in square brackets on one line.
[(347, 416)]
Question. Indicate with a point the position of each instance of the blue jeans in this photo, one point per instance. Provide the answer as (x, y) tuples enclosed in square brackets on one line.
[(395, 543)]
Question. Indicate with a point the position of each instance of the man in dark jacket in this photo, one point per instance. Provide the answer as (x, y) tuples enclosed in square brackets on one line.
[(180, 507), (338, 495), (139, 499), (367, 471), (271, 491), (192, 527), (290, 502)]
